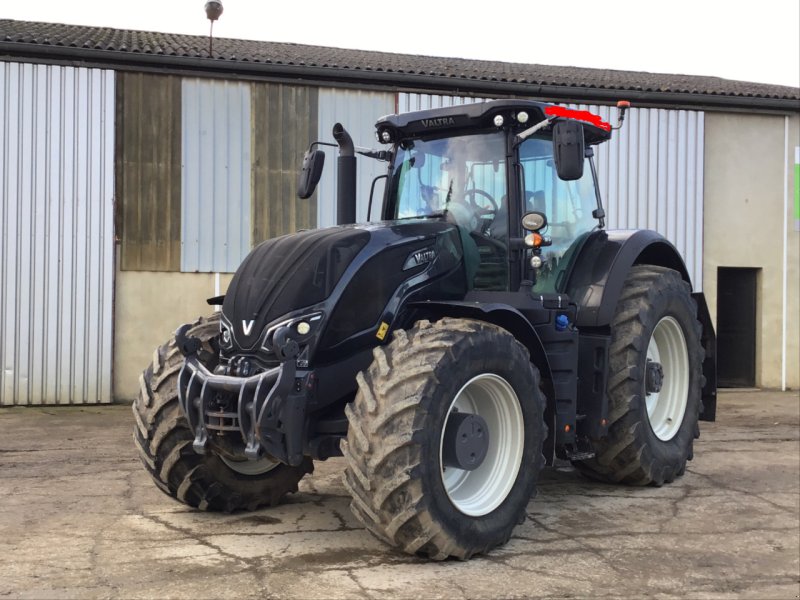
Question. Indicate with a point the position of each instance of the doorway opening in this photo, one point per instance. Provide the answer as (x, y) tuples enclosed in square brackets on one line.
[(736, 326)]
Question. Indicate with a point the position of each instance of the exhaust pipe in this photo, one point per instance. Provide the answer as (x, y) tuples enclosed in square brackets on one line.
[(346, 177)]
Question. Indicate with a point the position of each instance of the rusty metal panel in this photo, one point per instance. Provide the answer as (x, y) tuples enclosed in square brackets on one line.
[(215, 231), (148, 171), (284, 122), (357, 111), (56, 234)]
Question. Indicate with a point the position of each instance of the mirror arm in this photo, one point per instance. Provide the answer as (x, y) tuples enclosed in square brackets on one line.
[(332, 145), (597, 213), (524, 135), (378, 154)]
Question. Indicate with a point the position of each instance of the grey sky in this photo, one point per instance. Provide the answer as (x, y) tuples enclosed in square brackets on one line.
[(752, 41)]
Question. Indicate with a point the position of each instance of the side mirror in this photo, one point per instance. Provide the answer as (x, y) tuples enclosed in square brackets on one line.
[(307, 181), (568, 149)]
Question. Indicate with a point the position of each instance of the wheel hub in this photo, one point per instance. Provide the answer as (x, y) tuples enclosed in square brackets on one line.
[(666, 378), (654, 377), (466, 441), (478, 485)]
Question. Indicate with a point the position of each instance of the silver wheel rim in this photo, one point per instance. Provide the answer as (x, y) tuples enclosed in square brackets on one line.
[(479, 492), (666, 408), (251, 467)]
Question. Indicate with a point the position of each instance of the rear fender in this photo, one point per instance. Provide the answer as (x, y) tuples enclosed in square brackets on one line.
[(600, 270)]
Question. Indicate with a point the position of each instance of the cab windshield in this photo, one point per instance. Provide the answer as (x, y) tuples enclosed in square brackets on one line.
[(462, 178), (434, 176)]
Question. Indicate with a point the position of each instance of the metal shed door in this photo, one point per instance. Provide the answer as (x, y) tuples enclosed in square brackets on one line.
[(56, 234)]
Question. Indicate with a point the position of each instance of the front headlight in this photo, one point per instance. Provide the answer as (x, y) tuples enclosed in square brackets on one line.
[(303, 327)]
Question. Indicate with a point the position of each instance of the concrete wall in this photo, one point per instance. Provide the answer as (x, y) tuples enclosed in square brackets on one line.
[(745, 186), (149, 307)]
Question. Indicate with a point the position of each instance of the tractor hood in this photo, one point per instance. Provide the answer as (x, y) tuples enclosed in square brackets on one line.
[(301, 270), (286, 273)]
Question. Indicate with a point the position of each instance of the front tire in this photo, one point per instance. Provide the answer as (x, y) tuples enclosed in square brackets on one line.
[(164, 440), (653, 413), (401, 488)]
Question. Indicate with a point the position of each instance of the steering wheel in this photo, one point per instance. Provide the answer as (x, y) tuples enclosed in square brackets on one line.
[(478, 225), (478, 192)]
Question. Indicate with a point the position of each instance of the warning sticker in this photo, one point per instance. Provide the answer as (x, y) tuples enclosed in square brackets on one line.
[(382, 330)]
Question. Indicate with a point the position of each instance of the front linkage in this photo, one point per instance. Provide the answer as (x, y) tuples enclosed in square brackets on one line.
[(269, 410)]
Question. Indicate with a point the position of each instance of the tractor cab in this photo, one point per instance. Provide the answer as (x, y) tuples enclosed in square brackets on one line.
[(481, 167)]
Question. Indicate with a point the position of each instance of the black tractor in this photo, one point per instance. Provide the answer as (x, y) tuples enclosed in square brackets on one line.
[(488, 324)]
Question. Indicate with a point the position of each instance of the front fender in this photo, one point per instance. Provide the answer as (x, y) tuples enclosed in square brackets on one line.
[(502, 315), (512, 320)]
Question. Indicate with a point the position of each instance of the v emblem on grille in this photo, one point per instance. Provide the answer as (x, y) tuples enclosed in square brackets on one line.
[(247, 326)]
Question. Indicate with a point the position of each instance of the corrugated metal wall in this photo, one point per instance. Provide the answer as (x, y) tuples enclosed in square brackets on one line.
[(357, 111), (56, 234), (215, 190), (651, 177), (650, 173), (411, 102), (148, 171), (206, 169)]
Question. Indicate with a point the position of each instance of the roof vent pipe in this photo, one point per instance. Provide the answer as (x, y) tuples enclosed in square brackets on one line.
[(346, 177)]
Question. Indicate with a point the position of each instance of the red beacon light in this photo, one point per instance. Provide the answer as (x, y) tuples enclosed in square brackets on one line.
[(622, 106)]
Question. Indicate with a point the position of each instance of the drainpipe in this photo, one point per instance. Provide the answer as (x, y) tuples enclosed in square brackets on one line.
[(785, 246)]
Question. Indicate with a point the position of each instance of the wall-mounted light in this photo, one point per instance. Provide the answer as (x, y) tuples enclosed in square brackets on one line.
[(213, 12)]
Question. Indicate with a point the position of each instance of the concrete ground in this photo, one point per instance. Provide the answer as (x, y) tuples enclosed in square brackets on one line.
[(80, 518)]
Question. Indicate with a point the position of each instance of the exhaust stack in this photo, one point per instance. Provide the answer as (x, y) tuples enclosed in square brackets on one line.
[(346, 177)]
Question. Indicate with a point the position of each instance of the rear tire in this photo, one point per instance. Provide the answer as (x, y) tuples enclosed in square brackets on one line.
[(395, 440), (651, 435), (164, 441)]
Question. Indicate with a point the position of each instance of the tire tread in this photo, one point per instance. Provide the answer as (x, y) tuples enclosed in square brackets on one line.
[(624, 456), (382, 451)]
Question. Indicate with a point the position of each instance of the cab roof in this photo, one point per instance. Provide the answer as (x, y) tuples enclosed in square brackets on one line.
[(480, 115)]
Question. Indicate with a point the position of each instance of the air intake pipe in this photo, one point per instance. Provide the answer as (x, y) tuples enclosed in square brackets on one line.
[(346, 177)]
